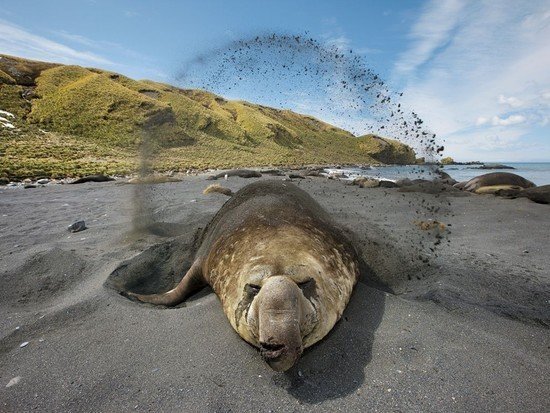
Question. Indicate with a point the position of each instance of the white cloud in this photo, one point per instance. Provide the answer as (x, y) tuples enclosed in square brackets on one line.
[(76, 38), (481, 121), (470, 76), (16, 41), (510, 120), (510, 101)]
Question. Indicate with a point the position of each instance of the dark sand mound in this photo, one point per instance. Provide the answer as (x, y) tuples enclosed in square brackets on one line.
[(44, 277), (431, 187)]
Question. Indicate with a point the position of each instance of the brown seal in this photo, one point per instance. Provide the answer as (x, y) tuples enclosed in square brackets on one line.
[(282, 269), (501, 179)]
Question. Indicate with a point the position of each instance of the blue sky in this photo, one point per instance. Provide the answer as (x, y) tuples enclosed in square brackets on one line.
[(475, 71)]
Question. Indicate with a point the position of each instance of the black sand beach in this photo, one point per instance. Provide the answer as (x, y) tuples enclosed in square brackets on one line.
[(450, 321)]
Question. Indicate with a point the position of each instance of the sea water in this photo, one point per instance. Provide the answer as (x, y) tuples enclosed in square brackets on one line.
[(537, 172)]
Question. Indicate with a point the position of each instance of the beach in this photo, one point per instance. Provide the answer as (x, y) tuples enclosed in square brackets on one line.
[(444, 318)]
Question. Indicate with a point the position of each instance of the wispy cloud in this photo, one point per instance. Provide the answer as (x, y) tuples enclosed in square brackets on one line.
[(431, 32), (15, 40), (98, 44), (477, 73)]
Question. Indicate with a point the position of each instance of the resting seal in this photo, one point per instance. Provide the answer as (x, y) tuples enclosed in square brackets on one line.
[(281, 267), (501, 179)]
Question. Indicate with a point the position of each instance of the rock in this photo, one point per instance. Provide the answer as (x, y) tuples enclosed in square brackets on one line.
[(296, 176), (77, 226), (93, 178), (219, 189), (496, 166), (339, 175), (4, 181), (28, 186), (43, 181), (403, 182), (14, 381), (24, 344), (387, 184), (364, 182)]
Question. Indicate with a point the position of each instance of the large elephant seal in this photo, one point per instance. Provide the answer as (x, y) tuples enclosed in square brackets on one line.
[(500, 179), (281, 267)]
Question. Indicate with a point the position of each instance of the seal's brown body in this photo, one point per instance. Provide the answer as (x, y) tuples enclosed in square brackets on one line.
[(502, 180), (281, 267)]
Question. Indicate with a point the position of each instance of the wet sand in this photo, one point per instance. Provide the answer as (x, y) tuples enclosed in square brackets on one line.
[(450, 322)]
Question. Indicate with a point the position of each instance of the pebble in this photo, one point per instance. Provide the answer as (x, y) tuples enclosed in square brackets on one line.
[(14, 381), (24, 344), (77, 226)]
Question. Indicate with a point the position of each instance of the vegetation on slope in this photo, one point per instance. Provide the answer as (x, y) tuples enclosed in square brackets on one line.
[(72, 120)]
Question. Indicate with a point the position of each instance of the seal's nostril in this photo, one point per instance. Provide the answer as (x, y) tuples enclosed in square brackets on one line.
[(271, 346)]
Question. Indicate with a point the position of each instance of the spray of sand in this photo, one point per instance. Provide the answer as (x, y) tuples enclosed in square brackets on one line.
[(337, 83)]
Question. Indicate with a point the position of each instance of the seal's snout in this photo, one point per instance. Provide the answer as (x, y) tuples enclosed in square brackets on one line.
[(280, 314)]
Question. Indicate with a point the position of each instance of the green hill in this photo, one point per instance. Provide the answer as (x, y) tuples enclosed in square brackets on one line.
[(70, 120)]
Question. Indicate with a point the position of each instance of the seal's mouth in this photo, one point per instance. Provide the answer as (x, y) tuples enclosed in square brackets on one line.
[(272, 352)]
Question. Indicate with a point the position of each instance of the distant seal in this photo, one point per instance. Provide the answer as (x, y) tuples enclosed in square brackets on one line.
[(282, 269), (241, 173), (501, 179), (93, 178)]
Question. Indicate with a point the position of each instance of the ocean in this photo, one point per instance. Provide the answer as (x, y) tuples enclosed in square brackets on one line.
[(537, 172)]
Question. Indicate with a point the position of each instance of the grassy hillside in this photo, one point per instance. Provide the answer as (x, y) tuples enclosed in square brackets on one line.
[(71, 120)]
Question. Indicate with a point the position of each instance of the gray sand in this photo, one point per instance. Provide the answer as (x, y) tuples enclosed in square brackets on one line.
[(460, 328)]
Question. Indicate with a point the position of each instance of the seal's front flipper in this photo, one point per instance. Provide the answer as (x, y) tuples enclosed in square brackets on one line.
[(191, 282)]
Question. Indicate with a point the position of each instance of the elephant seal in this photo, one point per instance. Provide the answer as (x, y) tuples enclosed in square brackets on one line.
[(93, 178), (241, 173), (282, 269), (502, 179)]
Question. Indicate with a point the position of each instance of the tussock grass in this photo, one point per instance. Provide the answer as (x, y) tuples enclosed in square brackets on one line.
[(99, 122)]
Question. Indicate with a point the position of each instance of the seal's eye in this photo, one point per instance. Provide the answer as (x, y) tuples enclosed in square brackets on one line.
[(308, 288), (252, 289), (306, 284)]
